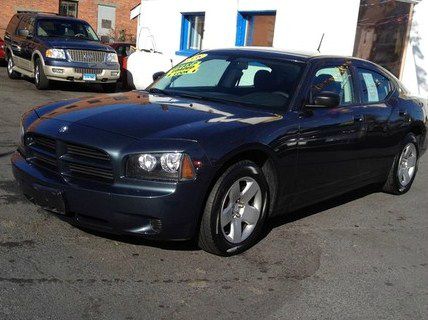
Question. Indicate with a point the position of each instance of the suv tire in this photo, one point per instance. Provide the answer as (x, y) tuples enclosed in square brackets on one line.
[(235, 210), (12, 74), (40, 80)]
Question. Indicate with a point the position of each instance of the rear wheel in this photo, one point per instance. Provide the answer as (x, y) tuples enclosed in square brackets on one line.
[(235, 210), (404, 168), (40, 80), (10, 64)]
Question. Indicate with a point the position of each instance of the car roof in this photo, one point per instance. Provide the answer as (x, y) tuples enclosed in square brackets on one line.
[(303, 56), (48, 15)]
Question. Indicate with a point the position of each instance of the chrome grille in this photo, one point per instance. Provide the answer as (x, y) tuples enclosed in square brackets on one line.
[(70, 160), (87, 55), (88, 70)]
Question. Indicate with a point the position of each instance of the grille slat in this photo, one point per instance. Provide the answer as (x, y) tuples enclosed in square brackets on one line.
[(72, 160), (86, 152), (86, 55), (90, 171)]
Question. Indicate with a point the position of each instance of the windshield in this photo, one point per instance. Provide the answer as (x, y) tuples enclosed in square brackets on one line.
[(66, 29), (261, 83)]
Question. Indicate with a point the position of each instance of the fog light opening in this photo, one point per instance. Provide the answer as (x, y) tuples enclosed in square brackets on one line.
[(57, 70)]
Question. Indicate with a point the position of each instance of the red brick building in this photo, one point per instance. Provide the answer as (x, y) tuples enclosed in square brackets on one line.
[(108, 18)]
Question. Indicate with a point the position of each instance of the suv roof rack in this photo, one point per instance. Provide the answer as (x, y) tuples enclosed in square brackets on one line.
[(36, 12)]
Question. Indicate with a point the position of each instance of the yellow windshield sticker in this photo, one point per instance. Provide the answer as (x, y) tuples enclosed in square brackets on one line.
[(184, 68), (188, 66)]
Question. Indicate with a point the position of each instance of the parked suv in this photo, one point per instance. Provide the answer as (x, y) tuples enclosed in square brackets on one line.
[(50, 47)]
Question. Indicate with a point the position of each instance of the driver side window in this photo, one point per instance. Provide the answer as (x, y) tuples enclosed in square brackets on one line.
[(334, 79)]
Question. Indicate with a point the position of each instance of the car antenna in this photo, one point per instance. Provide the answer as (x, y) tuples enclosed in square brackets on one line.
[(319, 46)]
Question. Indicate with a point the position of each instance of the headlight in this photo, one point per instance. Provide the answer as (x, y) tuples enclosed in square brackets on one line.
[(111, 57), (55, 54), (171, 166)]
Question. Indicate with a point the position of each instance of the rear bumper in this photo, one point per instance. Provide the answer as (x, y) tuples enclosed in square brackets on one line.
[(172, 214)]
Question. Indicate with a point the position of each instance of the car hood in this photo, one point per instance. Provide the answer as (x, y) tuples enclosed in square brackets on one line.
[(70, 43), (141, 115)]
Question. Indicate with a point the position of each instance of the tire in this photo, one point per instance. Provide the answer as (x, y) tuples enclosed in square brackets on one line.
[(404, 168), (40, 80), (246, 210), (109, 87), (12, 74)]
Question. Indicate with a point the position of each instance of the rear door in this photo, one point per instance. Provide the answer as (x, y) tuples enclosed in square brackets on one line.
[(328, 137), (378, 100)]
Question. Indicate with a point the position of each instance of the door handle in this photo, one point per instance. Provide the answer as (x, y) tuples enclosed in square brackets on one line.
[(403, 113)]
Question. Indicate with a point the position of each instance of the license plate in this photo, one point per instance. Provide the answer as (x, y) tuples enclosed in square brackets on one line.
[(89, 77), (48, 198)]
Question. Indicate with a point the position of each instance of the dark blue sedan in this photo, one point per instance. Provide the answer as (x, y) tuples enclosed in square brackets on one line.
[(220, 143)]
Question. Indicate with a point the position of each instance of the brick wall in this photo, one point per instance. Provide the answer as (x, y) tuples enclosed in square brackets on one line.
[(88, 10)]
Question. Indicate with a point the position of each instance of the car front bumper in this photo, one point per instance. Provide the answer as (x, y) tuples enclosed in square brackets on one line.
[(62, 73), (170, 213)]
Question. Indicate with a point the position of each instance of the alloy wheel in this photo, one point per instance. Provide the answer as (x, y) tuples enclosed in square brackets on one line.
[(37, 74), (241, 210), (407, 164), (10, 65)]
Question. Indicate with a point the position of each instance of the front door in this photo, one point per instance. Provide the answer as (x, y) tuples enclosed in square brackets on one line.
[(328, 136), (106, 20)]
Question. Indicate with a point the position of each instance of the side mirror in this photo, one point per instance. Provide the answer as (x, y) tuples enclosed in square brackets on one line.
[(326, 99), (23, 33), (157, 75)]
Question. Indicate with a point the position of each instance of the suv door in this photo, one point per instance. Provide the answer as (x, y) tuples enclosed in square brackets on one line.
[(327, 161), (24, 48)]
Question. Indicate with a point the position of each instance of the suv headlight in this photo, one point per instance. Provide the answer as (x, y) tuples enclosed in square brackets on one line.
[(55, 54), (170, 166), (111, 57)]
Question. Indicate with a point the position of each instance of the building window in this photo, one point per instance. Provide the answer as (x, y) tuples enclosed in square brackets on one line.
[(68, 8), (255, 28), (192, 33)]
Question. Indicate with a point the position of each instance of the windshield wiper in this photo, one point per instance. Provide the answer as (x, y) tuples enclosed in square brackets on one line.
[(213, 99), (158, 91)]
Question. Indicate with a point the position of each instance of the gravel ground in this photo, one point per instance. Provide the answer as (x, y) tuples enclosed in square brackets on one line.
[(360, 256)]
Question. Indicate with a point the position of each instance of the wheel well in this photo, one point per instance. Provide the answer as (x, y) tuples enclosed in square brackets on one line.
[(262, 160), (35, 58)]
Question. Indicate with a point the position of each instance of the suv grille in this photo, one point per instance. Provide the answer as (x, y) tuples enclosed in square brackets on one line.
[(70, 160), (87, 55), (88, 70)]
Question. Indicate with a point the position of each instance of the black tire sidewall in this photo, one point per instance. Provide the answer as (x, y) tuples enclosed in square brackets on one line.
[(400, 189), (240, 170)]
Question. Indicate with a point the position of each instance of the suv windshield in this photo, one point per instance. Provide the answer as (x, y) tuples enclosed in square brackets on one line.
[(244, 80), (65, 29)]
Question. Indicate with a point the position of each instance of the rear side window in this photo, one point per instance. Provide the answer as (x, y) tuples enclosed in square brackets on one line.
[(13, 23), (375, 87)]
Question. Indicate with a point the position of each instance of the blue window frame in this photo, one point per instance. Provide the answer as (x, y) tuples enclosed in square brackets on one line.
[(192, 33), (255, 28)]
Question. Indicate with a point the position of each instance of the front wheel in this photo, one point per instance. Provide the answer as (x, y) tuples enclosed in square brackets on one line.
[(404, 168), (235, 210), (40, 80)]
